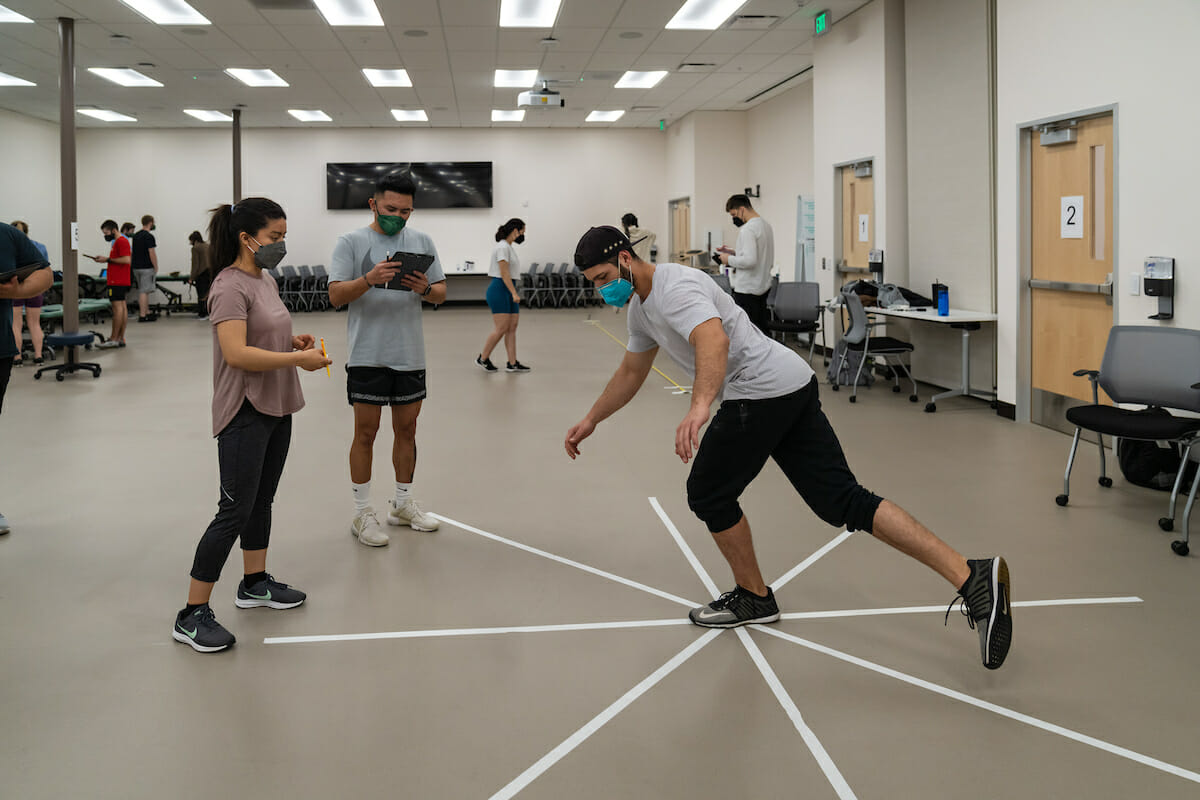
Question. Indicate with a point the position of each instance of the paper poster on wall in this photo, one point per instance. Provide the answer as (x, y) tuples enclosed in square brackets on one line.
[(864, 227), (74, 235), (1072, 217)]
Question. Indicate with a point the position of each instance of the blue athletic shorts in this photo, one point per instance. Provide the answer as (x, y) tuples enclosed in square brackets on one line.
[(499, 300)]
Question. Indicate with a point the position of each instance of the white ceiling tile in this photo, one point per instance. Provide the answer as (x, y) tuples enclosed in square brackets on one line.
[(647, 14), (365, 38), (746, 62), (566, 62), (614, 43), (789, 64), (471, 39), (589, 14), (426, 61), (330, 61), (781, 40), (253, 37), (679, 41), (482, 13), (405, 14), (292, 17), (311, 37), (731, 41)]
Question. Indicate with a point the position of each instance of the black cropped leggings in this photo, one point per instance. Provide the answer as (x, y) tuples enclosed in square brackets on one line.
[(794, 431), (251, 451)]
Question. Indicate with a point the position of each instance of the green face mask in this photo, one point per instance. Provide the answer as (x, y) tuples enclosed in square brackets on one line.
[(390, 225)]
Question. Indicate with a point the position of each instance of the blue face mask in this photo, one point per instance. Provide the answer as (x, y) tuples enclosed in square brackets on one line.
[(617, 292)]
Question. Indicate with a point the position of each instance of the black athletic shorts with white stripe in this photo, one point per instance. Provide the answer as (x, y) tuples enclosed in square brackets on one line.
[(380, 386)]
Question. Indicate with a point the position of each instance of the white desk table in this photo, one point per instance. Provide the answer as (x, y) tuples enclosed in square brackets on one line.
[(964, 320)]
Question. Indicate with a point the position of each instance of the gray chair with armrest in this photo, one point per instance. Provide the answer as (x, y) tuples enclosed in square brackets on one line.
[(1142, 365), (796, 308)]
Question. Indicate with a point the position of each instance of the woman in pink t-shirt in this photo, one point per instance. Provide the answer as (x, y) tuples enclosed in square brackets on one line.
[(255, 392)]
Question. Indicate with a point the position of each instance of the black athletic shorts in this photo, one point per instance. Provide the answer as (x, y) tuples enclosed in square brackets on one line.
[(117, 292), (380, 386)]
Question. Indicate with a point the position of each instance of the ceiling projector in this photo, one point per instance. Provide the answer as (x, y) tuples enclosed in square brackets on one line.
[(541, 98)]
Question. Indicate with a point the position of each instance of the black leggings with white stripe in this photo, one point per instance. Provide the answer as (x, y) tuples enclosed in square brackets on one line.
[(251, 451)]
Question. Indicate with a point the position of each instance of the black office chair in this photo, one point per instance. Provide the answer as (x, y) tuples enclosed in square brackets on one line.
[(796, 308), (1149, 366), (857, 338)]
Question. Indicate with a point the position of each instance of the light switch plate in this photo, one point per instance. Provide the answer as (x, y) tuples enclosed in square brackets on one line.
[(1135, 283)]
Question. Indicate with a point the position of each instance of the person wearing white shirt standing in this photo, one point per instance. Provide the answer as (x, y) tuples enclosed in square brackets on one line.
[(503, 299), (751, 260)]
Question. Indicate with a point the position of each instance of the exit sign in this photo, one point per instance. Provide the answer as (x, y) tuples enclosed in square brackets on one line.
[(821, 24)]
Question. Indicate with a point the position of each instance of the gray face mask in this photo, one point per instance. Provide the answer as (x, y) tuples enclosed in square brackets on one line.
[(268, 256)]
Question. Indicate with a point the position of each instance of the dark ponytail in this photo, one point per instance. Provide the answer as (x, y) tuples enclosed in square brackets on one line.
[(504, 230), (230, 221)]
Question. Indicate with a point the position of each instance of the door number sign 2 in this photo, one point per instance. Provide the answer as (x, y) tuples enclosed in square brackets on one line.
[(1071, 225)]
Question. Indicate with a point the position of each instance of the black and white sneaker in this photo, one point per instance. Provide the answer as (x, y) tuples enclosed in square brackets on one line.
[(737, 607), (486, 364), (268, 593), (516, 366), (201, 631), (985, 601)]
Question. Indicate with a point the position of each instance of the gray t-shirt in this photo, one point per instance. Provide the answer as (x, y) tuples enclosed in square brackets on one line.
[(680, 299), (236, 295), (384, 324)]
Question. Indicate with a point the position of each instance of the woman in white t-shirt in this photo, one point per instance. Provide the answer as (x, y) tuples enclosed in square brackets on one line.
[(503, 298)]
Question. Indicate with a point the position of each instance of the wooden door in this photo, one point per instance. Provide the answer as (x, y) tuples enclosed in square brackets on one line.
[(858, 218), (1071, 185)]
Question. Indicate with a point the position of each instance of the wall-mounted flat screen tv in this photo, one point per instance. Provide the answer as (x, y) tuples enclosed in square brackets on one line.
[(440, 184)]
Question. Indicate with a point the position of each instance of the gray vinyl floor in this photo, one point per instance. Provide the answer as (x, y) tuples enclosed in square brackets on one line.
[(603, 690)]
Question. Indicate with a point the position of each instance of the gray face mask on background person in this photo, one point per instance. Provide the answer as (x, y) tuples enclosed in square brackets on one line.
[(268, 256)]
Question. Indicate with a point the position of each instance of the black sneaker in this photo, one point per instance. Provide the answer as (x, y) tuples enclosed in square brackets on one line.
[(985, 603), (201, 630), (516, 366), (738, 607), (268, 593), (486, 364)]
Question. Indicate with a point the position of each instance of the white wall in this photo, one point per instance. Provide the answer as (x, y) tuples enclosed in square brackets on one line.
[(1144, 59), (559, 182), (949, 178), (779, 143), (29, 181), (855, 112)]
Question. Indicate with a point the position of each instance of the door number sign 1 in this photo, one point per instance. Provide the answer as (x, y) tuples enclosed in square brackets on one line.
[(1071, 225)]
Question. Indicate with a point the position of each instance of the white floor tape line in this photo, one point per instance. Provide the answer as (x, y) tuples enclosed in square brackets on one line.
[(880, 612), (808, 562), (577, 565), (986, 706), (450, 632), (597, 722), (832, 773)]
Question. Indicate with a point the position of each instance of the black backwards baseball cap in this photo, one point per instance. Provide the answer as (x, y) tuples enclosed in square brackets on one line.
[(600, 244)]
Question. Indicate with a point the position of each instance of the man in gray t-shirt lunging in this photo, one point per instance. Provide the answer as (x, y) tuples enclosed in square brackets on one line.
[(386, 362), (769, 409)]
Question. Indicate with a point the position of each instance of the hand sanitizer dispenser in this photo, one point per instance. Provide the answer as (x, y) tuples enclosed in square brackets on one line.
[(1158, 280)]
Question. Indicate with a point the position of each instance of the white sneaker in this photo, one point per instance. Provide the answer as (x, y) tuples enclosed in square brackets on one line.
[(410, 514), (365, 527)]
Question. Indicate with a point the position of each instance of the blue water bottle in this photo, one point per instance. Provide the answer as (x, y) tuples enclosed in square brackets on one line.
[(943, 302)]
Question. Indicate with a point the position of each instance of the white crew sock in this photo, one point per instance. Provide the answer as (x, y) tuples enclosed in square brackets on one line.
[(362, 496), (403, 492)]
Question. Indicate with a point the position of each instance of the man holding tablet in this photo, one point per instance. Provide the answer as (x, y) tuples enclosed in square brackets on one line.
[(24, 273), (385, 271)]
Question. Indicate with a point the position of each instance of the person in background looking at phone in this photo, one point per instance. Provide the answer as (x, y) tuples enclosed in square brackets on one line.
[(503, 299), (117, 277), (386, 361)]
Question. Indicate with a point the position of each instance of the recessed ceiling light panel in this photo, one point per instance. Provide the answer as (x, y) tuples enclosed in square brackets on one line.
[(507, 116), (105, 115), (350, 12), (604, 116), (207, 115), (640, 80), (410, 115), (528, 13), (256, 77), (124, 77), (515, 78), (388, 77), (8, 15), (310, 115), (167, 12), (704, 15), (13, 80)]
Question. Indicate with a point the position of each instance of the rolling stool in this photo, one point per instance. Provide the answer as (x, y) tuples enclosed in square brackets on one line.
[(69, 341)]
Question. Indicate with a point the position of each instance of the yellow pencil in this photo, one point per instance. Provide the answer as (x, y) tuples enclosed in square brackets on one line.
[(327, 372)]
